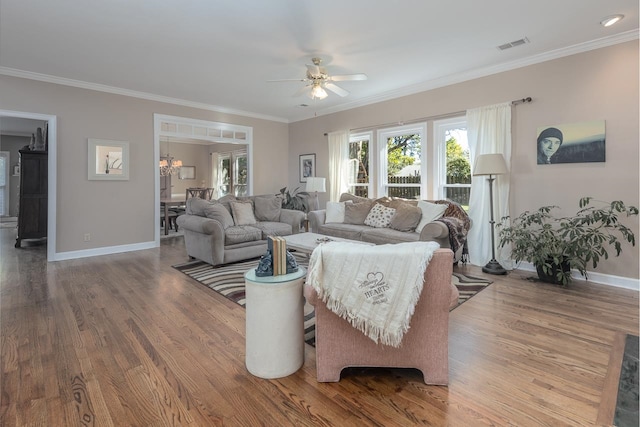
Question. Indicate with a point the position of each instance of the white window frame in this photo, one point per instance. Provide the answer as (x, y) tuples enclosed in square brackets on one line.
[(440, 128), (232, 156), (383, 135), (359, 137)]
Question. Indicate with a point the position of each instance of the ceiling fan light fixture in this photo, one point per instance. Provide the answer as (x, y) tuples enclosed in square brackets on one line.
[(610, 20), (317, 92)]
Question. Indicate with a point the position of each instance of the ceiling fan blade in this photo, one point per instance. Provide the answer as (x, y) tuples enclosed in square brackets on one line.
[(345, 77), (288, 80), (302, 90), (336, 89)]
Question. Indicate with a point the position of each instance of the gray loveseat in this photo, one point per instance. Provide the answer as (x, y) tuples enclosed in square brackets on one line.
[(449, 229), (233, 229)]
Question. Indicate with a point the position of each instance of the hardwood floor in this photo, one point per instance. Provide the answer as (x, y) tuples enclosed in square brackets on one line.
[(127, 340)]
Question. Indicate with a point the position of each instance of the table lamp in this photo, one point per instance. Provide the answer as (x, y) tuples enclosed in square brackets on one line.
[(316, 185)]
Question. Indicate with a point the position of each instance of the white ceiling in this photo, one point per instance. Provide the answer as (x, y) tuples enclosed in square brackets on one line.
[(219, 54)]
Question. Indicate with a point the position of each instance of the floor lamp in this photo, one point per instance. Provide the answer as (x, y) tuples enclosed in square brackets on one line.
[(491, 165)]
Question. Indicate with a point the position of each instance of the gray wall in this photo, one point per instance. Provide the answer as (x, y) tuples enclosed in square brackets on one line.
[(122, 212), (598, 85)]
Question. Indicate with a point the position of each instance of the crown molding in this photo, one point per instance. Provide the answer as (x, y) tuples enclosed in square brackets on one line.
[(132, 93), (403, 91), (481, 72)]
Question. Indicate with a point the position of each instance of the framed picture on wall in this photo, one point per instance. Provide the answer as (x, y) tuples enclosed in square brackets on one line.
[(307, 166), (108, 160), (582, 142), (187, 172)]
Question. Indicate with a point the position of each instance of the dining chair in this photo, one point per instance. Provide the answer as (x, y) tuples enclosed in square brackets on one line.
[(202, 193), (195, 192)]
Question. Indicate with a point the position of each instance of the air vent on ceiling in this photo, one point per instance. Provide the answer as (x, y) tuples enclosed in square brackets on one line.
[(514, 43)]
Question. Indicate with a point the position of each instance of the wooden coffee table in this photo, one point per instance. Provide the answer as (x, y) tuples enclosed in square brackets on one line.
[(306, 242)]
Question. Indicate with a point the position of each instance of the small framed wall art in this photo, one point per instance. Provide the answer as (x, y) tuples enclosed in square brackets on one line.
[(108, 160), (187, 172), (307, 166)]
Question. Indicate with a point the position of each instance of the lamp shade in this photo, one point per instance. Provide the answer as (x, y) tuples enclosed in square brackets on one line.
[(315, 183), (490, 164)]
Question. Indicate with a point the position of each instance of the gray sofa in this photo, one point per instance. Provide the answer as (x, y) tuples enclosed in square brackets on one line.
[(233, 229), (454, 221)]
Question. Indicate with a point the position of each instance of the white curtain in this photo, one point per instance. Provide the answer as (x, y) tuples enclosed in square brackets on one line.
[(488, 132), (338, 164), (215, 182)]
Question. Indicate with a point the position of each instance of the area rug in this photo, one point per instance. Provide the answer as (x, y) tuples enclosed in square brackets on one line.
[(228, 280)]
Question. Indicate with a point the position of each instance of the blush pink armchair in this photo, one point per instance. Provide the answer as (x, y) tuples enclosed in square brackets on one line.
[(424, 346)]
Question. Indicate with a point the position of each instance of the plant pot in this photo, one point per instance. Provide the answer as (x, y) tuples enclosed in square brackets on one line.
[(555, 268)]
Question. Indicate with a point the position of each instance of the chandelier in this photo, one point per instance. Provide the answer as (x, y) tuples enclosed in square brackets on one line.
[(169, 166)]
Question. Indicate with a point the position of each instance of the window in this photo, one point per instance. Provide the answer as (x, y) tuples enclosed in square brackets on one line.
[(232, 173), (453, 164), (359, 177), (239, 173), (402, 163)]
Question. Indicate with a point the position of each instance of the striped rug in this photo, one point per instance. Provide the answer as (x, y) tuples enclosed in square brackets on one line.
[(228, 280)]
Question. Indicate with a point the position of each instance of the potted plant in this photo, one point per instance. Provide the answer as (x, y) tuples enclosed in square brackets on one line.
[(554, 244), (296, 200)]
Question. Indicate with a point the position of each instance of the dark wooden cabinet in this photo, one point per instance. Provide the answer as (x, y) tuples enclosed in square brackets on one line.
[(33, 200)]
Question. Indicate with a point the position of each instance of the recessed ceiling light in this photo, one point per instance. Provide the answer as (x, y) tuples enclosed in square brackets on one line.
[(610, 20)]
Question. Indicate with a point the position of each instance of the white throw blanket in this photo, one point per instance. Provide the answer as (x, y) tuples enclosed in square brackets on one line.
[(375, 288)]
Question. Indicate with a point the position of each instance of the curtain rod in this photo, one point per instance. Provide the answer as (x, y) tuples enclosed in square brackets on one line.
[(437, 117)]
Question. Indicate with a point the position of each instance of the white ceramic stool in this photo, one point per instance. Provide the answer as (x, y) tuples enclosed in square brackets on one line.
[(275, 324)]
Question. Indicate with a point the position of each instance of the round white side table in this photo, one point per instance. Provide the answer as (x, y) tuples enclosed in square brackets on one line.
[(275, 324)]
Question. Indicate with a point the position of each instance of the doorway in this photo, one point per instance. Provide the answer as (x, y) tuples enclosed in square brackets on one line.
[(51, 121), (183, 130)]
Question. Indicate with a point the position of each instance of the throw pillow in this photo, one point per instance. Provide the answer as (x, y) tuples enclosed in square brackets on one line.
[(353, 198), (407, 217), (335, 212), (267, 208), (430, 212), (226, 201), (243, 213), (197, 206), (356, 213), (379, 216), (220, 213), (384, 201)]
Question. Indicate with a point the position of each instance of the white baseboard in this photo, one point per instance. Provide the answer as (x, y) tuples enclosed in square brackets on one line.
[(603, 279), (61, 256)]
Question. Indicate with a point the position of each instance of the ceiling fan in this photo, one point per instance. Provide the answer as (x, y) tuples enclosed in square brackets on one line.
[(318, 80)]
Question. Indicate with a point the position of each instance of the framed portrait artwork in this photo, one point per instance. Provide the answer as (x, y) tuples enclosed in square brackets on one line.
[(582, 142), (307, 166), (108, 160)]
